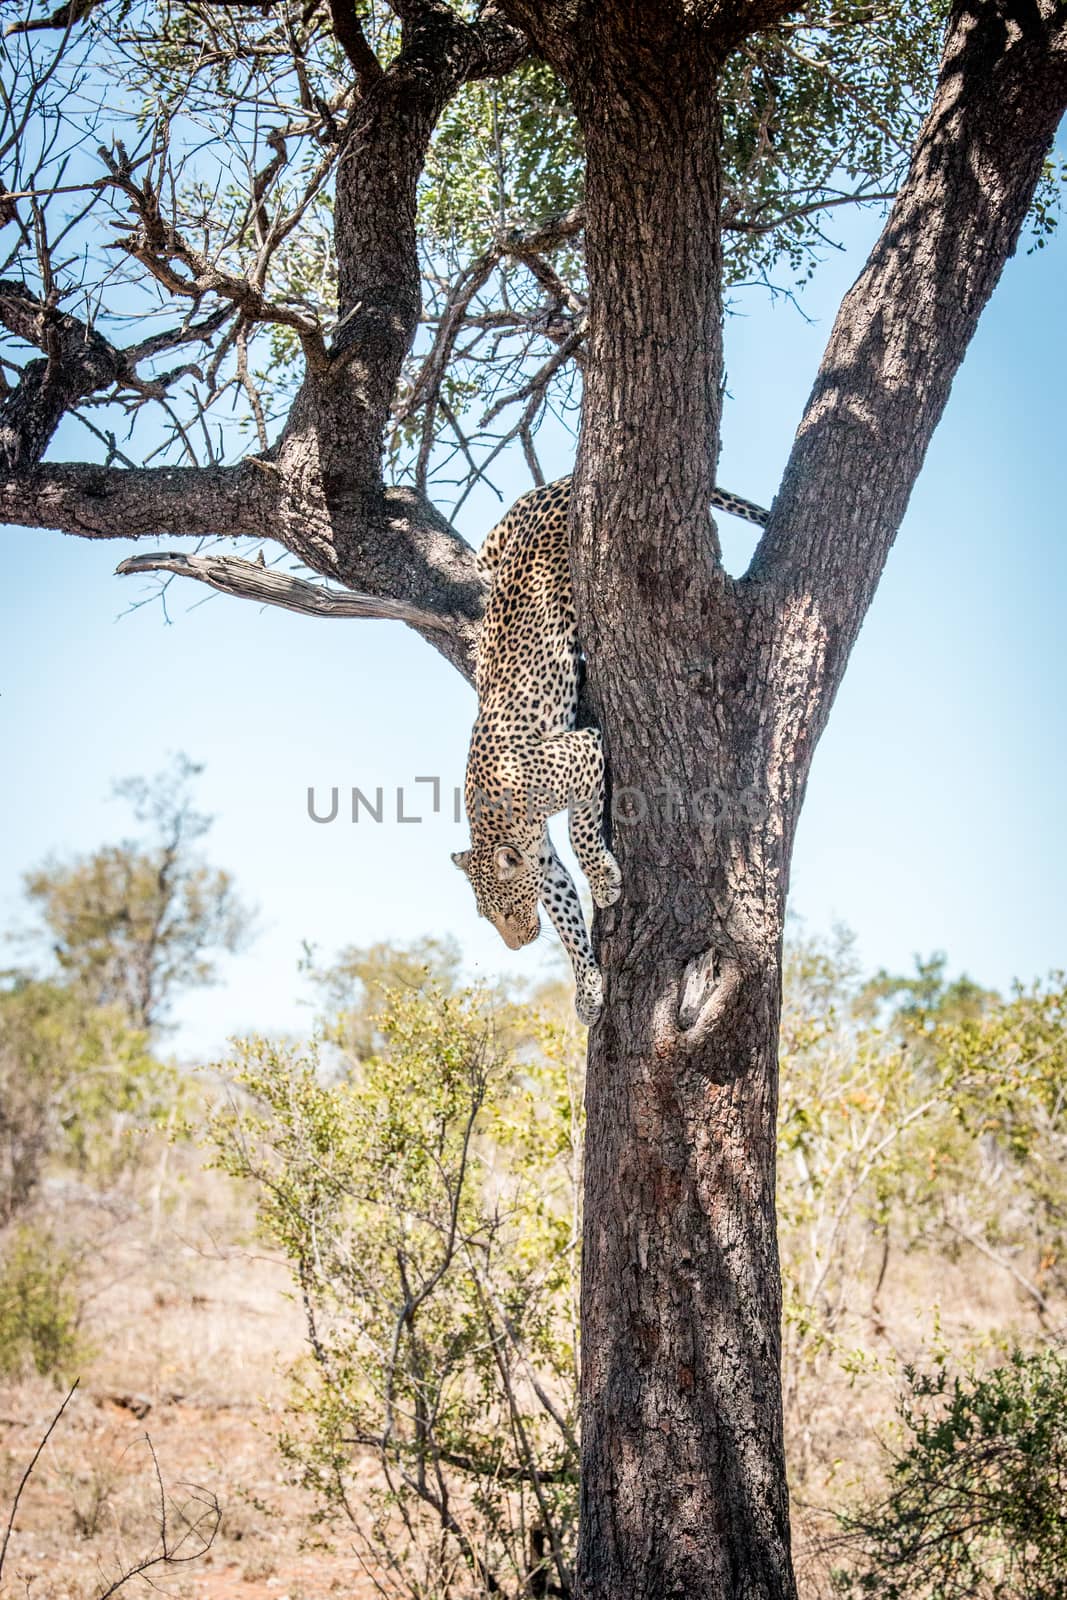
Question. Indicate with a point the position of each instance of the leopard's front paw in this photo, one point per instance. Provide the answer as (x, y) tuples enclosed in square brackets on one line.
[(606, 884), (589, 995)]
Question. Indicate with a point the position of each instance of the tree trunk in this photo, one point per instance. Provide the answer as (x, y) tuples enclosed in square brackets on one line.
[(683, 1474)]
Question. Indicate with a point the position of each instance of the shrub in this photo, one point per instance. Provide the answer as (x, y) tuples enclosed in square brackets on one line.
[(38, 1306), (75, 1085), (429, 1205), (977, 1505)]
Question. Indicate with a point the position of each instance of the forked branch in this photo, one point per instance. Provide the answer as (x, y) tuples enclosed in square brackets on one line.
[(185, 271)]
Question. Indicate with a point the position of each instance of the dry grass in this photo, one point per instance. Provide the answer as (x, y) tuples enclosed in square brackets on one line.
[(191, 1334), (192, 1330), (838, 1432)]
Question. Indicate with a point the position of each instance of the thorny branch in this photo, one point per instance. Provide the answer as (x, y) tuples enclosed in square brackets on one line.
[(185, 1531), (27, 1475)]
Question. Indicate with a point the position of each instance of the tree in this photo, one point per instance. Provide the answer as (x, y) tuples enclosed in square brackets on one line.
[(68, 1071), (132, 923), (689, 122), (355, 986)]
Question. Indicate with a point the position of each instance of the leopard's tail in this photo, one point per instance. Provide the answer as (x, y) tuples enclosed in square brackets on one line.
[(738, 506)]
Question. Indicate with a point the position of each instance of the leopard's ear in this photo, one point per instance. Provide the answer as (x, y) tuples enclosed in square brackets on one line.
[(461, 859), (508, 862)]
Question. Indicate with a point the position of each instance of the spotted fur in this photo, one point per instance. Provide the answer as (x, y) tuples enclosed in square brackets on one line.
[(527, 760)]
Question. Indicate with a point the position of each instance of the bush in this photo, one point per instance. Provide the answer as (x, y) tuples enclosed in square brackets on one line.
[(38, 1306), (75, 1085), (977, 1507), (428, 1202)]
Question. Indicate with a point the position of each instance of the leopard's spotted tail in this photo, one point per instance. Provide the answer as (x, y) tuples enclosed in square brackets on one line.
[(738, 506)]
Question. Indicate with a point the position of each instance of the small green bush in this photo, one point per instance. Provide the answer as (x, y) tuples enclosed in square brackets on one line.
[(977, 1506), (38, 1306)]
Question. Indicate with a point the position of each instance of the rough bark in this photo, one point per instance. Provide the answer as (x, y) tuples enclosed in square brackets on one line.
[(379, 282), (683, 1478), (77, 362), (97, 502)]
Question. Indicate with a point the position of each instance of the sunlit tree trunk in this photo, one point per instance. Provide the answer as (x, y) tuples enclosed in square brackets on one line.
[(683, 1486)]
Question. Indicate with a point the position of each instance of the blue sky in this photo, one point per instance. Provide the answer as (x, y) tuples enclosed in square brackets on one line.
[(935, 811)]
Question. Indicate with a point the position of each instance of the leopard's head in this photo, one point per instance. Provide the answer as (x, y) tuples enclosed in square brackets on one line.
[(506, 881)]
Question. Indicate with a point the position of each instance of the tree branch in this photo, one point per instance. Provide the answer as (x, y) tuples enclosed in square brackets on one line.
[(65, 16), (157, 244), (570, 36), (353, 41), (501, 1472), (77, 361), (97, 502), (825, 202), (546, 235), (186, 332), (499, 47), (247, 580), (903, 329), (317, 489), (423, 573), (402, 550)]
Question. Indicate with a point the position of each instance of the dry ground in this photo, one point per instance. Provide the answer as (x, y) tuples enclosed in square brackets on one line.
[(190, 1335), (192, 1329)]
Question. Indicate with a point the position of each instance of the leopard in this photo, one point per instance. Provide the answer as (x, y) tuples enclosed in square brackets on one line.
[(528, 759)]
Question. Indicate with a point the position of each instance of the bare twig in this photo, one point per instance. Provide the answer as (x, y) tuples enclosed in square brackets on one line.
[(979, 1244), (24, 1480), (201, 1529)]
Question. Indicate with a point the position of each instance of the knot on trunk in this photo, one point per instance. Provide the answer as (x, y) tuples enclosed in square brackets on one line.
[(688, 1012)]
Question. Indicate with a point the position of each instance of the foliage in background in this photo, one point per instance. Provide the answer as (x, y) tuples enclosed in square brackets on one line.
[(977, 1501), (355, 992), (429, 1204), (75, 1080), (356, 986), (134, 923), (81, 1087), (918, 1114), (39, 1305), (1010, 1069), (425, 1187)]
